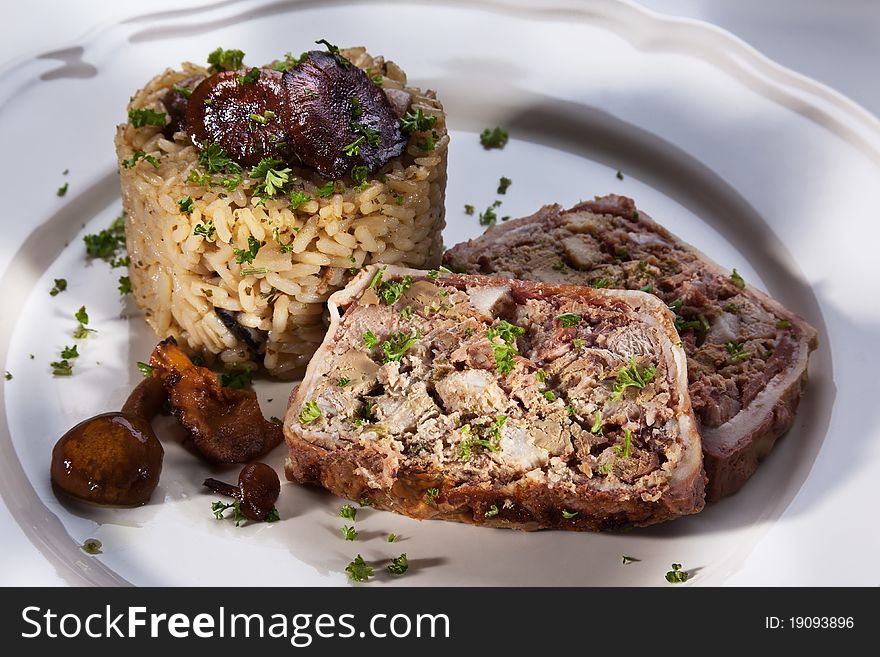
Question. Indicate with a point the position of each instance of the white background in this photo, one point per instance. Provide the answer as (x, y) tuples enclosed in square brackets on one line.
[(834, 42)]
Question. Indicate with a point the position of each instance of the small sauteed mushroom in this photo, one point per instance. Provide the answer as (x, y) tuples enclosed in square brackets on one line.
[(257, 491)]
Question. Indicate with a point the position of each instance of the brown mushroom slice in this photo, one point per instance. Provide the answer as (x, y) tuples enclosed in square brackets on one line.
[(225, 425), (112, 458), (176, 102), (337, 118), (241, 112)]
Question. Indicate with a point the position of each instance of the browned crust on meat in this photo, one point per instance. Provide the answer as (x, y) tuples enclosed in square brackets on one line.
[(732, 451), (346, 469), (534, 507)]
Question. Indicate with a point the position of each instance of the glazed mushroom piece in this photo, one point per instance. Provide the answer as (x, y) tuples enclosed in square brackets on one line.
[(337, 118), (241, 111), (257, 491), (113, 458), (224, 425)]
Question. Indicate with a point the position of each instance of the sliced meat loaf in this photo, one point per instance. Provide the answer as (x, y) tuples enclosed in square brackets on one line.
[(747, 354), (498, 402)]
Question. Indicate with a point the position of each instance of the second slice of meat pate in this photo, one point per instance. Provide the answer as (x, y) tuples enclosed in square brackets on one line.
[(499, 402)]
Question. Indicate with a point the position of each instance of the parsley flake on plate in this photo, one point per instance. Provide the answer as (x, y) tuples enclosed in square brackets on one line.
[(494, 138), (358, 570)]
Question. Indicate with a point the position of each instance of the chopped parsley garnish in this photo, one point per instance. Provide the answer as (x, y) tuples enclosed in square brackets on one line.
[(344, 381), (468, 209), (427, 143), (334, 51), (359, 174), (677, 575), (124, 285), (503, 184), (469, 442), (619, 174), (488, 218), (737, 353), (376, 278), (605, 468), (392, 538), (597, 424), (237, 380), (349, 533), (431, 495), (433, 274), (600, 283), (219, 509), (247, 255), (354, 148), (492, 512), (145, 369), (540, 376), (567, 320), (390, 291), (624, 452), (61, 191), (504, 353), (407, 312), (649, 288), (206, 230), (8, 376), (397, 345), (549, 396), (578, 343), (250, 77), (263, 118), (783, 324), (273, 179), (186, 204), (108, 242), (92, 546), (399, 565), (370, 340), (183, 91), (61, 368), (273, 516), (630, 377), (298, 197), (348, 512), (493, 138), (738, 280), (628, 560), (365, 501), (417, 121), (141, 155), (496, 426), (215, 159), (285, 248), (289, 62), (326, 189), (568, 515), (142, 117), (81, 315), (70, 352), (310, 412), (358, 570), (60, 286), (225, 60)]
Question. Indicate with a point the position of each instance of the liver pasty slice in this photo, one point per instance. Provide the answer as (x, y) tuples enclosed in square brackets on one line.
[(499, 402)]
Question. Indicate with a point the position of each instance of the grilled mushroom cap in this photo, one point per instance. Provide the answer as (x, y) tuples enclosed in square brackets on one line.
[(241, 112), (337, 118)]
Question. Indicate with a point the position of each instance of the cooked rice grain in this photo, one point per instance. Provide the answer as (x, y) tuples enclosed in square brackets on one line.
[(180, 279)]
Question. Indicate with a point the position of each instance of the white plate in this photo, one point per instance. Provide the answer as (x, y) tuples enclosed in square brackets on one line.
[(760, 168)]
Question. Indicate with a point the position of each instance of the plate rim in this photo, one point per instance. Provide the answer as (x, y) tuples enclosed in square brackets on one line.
[(66, 558)]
